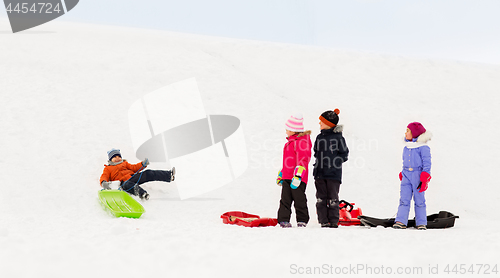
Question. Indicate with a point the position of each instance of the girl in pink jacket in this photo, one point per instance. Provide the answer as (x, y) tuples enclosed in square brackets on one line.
[(293, 176)]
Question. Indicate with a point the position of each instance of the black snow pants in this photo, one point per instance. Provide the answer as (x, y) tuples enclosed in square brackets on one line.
[(131, 186), (299, 199), (327, 200)]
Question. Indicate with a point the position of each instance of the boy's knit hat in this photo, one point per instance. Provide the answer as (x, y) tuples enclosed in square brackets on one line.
[(330, 118), (295, 123), (112, 153), (416, 129)]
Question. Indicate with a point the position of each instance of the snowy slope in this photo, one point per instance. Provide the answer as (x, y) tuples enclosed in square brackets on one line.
[(65, 91)]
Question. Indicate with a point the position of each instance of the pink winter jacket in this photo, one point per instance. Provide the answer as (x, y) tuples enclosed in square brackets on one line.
[(297, 152)]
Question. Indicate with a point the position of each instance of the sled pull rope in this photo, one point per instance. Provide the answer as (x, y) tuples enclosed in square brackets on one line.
[(140, 176)]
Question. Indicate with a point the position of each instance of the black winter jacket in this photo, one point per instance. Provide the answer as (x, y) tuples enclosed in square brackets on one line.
[(330, 151)]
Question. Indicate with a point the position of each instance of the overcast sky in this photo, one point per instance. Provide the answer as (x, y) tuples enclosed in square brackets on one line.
[(467, 30)]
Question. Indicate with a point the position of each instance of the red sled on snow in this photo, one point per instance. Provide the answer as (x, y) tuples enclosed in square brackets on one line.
[(348, 214), (247, 220)]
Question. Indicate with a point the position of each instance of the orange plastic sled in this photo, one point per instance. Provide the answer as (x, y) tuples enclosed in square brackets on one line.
[(248, 220)]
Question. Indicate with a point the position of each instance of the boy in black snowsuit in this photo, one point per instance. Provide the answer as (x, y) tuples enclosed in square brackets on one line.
[(330, 151)]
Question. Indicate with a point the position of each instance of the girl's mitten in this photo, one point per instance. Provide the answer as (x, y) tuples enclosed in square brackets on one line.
[(297, 176), (279, 179), (424, 181)]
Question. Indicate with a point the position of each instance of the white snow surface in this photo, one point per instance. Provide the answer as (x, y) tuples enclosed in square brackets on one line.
[(64, 96)]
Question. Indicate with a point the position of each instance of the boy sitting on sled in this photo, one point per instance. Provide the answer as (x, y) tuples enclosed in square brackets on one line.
[(130, 175)]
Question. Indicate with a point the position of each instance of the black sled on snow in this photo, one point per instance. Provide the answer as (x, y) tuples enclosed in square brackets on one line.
[(440, 220)]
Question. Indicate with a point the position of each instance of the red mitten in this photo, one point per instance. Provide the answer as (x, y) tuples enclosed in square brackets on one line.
[(424, 181), (400, 176)]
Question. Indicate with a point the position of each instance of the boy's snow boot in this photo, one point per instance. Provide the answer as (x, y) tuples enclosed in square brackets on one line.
[(172, 174), (399, 225), (145, 196), (329, 225), (421, 227), (285, 225), (301, 224)]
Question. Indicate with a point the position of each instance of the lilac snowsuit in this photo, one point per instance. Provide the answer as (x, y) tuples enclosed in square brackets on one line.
[(416, 159)]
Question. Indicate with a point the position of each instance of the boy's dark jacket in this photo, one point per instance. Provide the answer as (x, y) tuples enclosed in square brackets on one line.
[(330, 151)]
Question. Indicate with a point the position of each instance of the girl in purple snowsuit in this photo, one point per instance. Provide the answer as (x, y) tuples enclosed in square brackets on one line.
[(415, 176)]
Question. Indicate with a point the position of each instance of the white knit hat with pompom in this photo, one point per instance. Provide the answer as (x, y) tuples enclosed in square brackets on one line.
[(295, 123)]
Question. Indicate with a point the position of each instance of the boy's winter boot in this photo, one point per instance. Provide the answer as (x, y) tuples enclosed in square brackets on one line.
[(172, 174), (145, 196), (421, 227), (285, 225), (329, 225), (301, 224)]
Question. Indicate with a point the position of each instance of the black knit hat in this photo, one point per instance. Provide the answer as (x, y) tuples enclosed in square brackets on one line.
[(330, 118)]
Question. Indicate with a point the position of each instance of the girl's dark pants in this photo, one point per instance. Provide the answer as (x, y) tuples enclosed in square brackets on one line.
[(298, 197), (327, 204), (147, 176)]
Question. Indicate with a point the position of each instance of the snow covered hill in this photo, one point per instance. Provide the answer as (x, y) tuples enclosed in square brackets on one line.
[(65, 90)]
